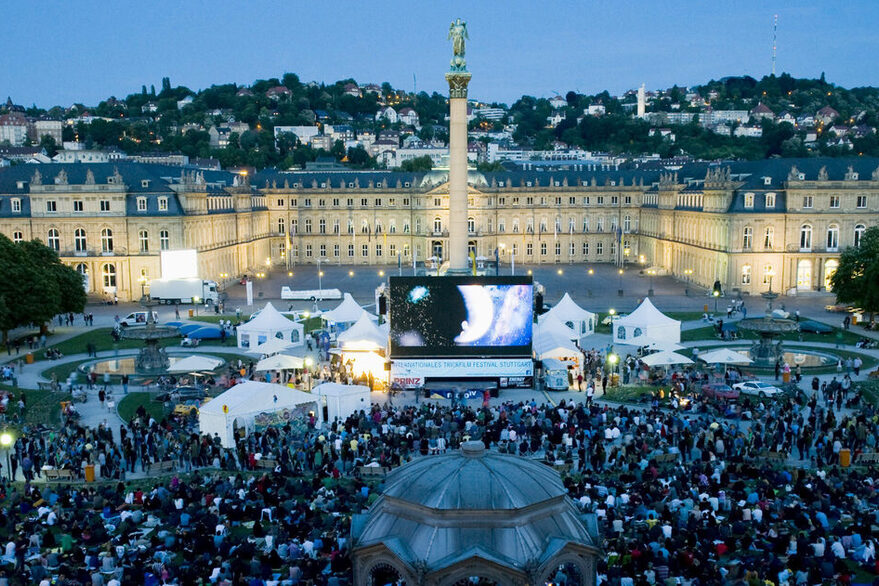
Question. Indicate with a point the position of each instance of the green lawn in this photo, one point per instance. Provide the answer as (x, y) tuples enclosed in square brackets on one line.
[(684, 315), (213, 318), (102, 340), (628, 394), (127, 407), (40, 406), (708, 333)]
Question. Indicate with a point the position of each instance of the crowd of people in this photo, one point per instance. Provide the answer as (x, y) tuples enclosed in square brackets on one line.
[(688, 496)]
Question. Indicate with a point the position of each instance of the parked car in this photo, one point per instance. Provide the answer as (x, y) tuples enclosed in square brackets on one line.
[(137, 318), (756, 387), (187, 408), (814, 327), (838, 308), (719, 391)]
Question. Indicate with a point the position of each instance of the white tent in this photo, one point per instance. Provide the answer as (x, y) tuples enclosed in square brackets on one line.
[(341, 401), (554, 345), (724, 356), (550, 324), (279, 362), (665, 358), (252, 404), (195, 363), (349, 311), (363, 335), (271, 346), (574, 316), (645, 325), (270, 323)]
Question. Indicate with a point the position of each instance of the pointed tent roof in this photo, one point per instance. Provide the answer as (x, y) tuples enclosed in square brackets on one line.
[(553, 343), (363, 335), (568, 310), (347, 311), (268, 318), (646, 314), (550, 324)]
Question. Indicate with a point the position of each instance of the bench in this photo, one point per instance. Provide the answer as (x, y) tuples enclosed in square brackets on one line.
[(867, 458), (772, 456), (163, 466), (267, 463), (374, 471), (47, 386), (58, 474)]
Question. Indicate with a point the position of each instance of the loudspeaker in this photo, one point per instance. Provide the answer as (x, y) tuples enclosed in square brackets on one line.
[(538, 304), (382, 305)]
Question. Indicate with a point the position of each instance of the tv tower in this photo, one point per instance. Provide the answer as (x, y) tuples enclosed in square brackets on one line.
[(774, 41)]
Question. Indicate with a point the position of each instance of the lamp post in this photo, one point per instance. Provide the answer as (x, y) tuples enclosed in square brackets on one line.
[(320, 287), (620, 290), (309, 361), (195, 301), (687, 273), (650, 273), (6, 441), (716, 294), (143, 281)]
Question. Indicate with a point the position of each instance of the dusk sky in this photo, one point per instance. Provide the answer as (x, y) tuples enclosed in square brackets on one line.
[(85, 51)]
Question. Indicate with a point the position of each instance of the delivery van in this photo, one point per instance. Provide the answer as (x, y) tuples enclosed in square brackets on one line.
[(137, 318)]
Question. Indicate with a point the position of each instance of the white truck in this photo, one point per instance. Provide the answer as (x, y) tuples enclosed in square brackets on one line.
[(172, 291)]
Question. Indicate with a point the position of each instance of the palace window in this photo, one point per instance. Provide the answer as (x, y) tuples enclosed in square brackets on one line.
[(164, 240), (108, 275), (859, 234), (833, 237), (747, 237), (143, 238), (746, 275), (806, 237), (53, 240), (79, 241), (106, 240)]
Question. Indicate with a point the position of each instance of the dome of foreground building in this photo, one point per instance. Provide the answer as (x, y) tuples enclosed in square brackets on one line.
[(472, 513)]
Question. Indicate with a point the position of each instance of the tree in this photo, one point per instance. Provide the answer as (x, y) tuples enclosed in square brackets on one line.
[(856, 279), (36, 286), (417, 165), (47, 142)]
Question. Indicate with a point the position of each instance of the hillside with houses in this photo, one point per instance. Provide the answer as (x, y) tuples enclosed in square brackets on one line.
[(287, 123)]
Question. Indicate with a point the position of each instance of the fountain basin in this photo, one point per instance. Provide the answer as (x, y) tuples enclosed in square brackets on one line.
[(127, 365), (805, 358)]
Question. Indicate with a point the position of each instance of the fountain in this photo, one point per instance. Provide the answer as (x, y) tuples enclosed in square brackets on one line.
[(768, 350), (152, 359)]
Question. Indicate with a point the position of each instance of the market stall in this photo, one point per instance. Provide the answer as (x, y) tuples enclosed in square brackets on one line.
[(646, 325), (573, 316), (253, 406), (270, 323), (338, 401)]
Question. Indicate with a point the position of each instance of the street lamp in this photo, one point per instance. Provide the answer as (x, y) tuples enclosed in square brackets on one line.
[(6, 440), (195, 302), (620, 290), (716, 294), (309, 361), (687, 273), (650, 273), (320, 287), (143, 281)]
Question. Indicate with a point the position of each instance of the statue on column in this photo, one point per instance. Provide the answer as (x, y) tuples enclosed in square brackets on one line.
[(458, 35)]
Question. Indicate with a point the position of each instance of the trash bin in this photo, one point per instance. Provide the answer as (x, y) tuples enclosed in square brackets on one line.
[(854, 319), (29, 358), (89, 472), (785, 377), (845, 457), (191, 313), (615, 380)]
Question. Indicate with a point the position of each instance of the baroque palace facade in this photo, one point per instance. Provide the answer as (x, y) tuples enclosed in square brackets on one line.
[(749, 225)]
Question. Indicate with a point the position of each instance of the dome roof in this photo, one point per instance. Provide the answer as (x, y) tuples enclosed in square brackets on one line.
[(441, 510), (448, 481)]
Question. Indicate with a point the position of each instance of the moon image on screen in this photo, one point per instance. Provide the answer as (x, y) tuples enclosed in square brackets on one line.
[(480, 314)]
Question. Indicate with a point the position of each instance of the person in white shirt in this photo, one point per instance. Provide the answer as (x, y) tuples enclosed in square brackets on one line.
[(837, 549)]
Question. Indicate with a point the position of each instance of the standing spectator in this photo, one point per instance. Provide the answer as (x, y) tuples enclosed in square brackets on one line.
[(856, 365), (125, 383)]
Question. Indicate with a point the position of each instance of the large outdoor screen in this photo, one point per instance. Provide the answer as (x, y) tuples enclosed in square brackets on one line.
[(461, 316)]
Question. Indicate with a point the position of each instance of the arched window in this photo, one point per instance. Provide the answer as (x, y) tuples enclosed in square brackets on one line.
[(471, 225), (833, 237), (107, 244), (143, 237), (437, 225), (108, 275), (768, 273), (79, 242), (364, 227), (806, 237), (621, 333), (747, 237), (859, 234), (164, 240), (282, 225), (17, 236), (308, 225), (53, 241), (769, 238)]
